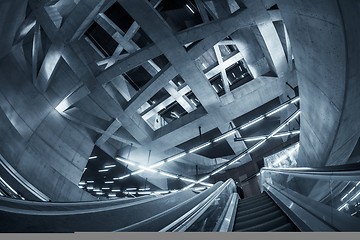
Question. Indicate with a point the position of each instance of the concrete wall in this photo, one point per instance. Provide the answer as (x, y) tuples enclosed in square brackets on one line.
[(36, 140), (324, 38)]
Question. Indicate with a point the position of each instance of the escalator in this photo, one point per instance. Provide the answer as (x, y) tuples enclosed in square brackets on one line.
[(261, 214)]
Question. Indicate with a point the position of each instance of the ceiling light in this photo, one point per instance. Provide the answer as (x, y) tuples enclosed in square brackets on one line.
[(130, 189), (116, 190), (199, 147), (168, 175), (93, 157), (112, 195), (110, 166), (225, 135), (103, 170), (277, 110), (252, 122), (176, 157), (295, 100), (189, 186), (137, 172), (125, 176), (144, 193), (187, 179), (219, 170), (191, 10), (90, 181), (109, 182)]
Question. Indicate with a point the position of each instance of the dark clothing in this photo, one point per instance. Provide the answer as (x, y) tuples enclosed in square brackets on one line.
[(240, 191)]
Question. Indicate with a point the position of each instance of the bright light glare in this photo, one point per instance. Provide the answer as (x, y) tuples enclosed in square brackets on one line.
[(199, 147), (192, 11), (168, 175), (176, 157), (252, 122), (225, 135), (93, 157)]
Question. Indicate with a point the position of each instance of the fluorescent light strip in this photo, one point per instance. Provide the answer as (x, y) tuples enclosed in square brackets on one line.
[(130, 193), (206, 184), (256, 146), (189, 186), (249, 139), (277, 110), (168, 175), (125, 176), (103, 170), (176, 157), (187, 180), (204, 178), (293, 117), (110, 166), (112, 195), (93, 157), (357, 184), (147, 169), (100, 193), (355, 196), (192, 11), (157, 164), (144, 189), (199, 147), (105, 188), (116, 190), (341, 207), (258, 119), (344, 197), (90, 181), (161, 192), (295, 100), (82, 183), (89, 188), (96, 190), (225, 135), (219, 170), (81, 186), (137, 172), (109, 182), (144, 193), (127, 162), (351, 190), (130, 189)]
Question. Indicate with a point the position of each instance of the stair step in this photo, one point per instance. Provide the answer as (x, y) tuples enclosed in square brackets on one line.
[(254, 198), (248, 210), (267, 226), (254, 203), (258, 220), (288, 227), (240, 216)]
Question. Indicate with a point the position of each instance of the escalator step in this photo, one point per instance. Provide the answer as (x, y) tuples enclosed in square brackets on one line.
[(267, 226), (254, 198), (254, 204), (241, 216), (249, 209), (256, 221), (288, 227), (254, 201)]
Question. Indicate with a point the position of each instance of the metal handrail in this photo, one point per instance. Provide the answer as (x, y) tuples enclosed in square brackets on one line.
[(350, 172), (192, 215)]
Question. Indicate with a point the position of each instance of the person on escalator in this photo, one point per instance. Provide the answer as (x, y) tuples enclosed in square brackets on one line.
[(239, 190)]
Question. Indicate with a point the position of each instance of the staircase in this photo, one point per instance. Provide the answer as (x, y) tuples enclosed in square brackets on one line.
[(261, 214)]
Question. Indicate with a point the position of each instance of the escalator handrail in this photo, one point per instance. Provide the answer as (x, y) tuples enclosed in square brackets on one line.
[(184, 222), (344, 169)]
